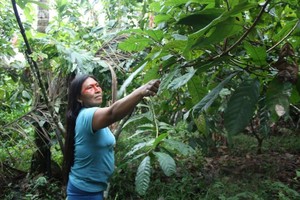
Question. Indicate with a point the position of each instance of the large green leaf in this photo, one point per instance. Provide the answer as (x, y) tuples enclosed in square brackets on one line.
[(183, 148), (241, 106), (195, 89), (257, 53), (182, 80), (142, 178), (156, 35), (135, 43), (193, 38), (201, 19), (205, 103), (277, 98), (221, 31), (166, 163), (166, 80)]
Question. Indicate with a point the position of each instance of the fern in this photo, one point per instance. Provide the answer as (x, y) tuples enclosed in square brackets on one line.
[(142, 178)]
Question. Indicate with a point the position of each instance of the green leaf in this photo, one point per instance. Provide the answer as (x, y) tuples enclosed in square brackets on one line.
[(285, 30), (138, 147), (196, 91), (184, 2), (159, 139), (148, 126), (135, 43), (28, 13), (40, 4), (135, 118), (162, 18), (193, 38), (2, 93), (182, 80), (165, 126), (205, 103), (130, 78), (156, 35), (152, 72), (257, 54), (25, 94), (221, 31), (182, 148), (166, 163), (155, 6), (175, 45), (277, 98), (165, 81), (201, 19), (241, 106), (295, 96), (263, 116), (142, 178)]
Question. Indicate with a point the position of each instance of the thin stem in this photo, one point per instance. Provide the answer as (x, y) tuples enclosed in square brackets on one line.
[(36, 72), (286, 36)]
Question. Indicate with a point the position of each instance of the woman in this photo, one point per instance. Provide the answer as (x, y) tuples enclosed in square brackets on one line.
[(89, 154)]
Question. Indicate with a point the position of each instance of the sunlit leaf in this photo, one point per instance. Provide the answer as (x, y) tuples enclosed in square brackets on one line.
[(135, 43)]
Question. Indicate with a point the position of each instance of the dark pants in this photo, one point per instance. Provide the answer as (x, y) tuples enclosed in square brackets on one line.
[(74, 193)]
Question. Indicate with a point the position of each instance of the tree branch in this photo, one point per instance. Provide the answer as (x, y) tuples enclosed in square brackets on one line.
[(286, 36), (246, 33)]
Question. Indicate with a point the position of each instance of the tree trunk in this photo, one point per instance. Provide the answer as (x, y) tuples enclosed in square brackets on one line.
[(43, 17)]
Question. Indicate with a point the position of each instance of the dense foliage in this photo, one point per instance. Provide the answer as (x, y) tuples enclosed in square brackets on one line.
[(227, 68)]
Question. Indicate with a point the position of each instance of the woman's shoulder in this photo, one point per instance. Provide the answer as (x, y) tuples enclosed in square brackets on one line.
[(90, 109), (87, 111)]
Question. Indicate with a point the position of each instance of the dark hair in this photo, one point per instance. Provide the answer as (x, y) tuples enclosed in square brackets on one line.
[(72, 112)]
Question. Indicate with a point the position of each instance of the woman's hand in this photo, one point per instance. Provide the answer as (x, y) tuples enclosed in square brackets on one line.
[(150, 88)]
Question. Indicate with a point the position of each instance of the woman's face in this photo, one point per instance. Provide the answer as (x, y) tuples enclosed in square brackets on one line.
[(91, 93)]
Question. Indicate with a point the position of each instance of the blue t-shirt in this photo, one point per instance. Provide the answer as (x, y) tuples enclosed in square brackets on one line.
[(93, 156)]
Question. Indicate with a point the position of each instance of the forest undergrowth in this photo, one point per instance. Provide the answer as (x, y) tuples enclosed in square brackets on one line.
[(236, 173)]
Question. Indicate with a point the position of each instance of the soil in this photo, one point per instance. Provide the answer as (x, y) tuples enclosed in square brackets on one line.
[(275, 166)]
